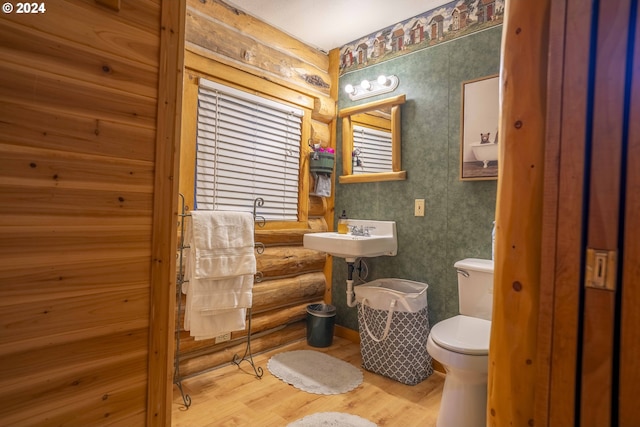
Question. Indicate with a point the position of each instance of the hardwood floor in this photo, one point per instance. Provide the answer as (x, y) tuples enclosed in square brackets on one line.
[(232, 396)]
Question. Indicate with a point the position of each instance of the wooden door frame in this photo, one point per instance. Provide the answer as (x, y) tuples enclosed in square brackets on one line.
[(165, 206)]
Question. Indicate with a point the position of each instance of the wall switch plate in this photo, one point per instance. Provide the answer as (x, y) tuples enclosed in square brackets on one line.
[(419, 207), (223, 338)]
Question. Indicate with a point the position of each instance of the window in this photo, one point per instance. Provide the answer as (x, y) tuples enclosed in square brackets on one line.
[(247, 147), (371, 150)]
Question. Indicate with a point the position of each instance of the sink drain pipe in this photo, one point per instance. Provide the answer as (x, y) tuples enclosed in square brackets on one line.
[(351, 301)]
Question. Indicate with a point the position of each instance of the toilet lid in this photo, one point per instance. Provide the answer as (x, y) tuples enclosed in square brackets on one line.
[(463, 334)]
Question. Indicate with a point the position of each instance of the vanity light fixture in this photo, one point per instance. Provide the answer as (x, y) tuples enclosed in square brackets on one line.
[(367, 88), (350, 89)]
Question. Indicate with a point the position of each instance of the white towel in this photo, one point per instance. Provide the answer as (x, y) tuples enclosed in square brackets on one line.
[(211, 295), (219, 268), (207, 299), (221, 229), (221, 244), (209, 327)]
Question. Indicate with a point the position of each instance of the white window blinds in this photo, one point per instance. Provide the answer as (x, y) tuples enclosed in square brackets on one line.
[(372, 150), (247, 147)]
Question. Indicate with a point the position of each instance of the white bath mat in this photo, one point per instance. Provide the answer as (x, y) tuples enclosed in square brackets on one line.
[(332, 419), (315, 372)]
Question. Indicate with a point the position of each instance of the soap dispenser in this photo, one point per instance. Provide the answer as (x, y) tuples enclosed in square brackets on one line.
[(343, 223)]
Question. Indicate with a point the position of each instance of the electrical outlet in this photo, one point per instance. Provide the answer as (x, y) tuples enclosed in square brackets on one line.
[(419, 207), (223, 337)]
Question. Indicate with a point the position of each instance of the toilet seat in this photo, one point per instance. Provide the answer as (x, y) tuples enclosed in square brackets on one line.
[(463, 334)]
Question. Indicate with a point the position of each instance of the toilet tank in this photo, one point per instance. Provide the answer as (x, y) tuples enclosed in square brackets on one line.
[(475, 287)]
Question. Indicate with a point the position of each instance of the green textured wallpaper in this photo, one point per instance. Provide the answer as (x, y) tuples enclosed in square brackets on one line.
[(458, 214)]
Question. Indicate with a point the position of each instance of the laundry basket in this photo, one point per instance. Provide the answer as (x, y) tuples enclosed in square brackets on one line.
[(394, 325)]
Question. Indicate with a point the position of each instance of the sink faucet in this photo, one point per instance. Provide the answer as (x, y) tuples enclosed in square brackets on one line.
[(357, 231), (361, 231)]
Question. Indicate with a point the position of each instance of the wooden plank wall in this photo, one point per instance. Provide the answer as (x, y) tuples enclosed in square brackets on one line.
[(228, 46), (78, 163)]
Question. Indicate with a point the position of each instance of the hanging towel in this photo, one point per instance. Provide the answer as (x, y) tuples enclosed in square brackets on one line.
[(221, 294), (221, 244), (210, 327), (220, 268), (218, 298)]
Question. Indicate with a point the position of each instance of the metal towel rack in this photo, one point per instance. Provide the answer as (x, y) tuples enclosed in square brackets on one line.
[(247, 357), (177, 378)]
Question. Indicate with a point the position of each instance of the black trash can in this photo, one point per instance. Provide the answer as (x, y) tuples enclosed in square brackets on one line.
[(321, 319)]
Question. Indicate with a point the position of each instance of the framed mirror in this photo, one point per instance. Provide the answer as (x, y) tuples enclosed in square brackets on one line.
[(479, 129), (371, 142)]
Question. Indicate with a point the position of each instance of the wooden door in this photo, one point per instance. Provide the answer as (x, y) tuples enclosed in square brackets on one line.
[(592, 221), (604, 146), (629, 375)]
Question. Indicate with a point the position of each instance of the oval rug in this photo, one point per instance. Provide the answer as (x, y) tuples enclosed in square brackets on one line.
[(332, 419), (315, 372)]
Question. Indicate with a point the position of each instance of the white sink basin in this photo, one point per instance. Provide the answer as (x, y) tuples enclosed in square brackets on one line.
[(382, 240)]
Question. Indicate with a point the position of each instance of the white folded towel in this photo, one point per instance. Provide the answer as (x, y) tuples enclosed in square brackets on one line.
[(221, 263), (220, 267), (211, 295), (221, 244), (209, 327)]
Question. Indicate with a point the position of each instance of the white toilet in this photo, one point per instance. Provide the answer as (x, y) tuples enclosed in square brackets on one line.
[(461, 345)]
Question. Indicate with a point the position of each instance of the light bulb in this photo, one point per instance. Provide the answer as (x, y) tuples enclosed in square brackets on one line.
[(350, 89), (366, 85), (382, 80)]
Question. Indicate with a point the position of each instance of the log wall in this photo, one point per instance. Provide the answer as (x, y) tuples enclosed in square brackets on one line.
[(226, 45), (87, 134)]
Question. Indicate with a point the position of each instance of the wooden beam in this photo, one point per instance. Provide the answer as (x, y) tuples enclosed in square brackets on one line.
[(164, 234), (523, 80)]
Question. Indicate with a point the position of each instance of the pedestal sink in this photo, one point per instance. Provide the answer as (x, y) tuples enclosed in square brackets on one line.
[(379, 239)]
